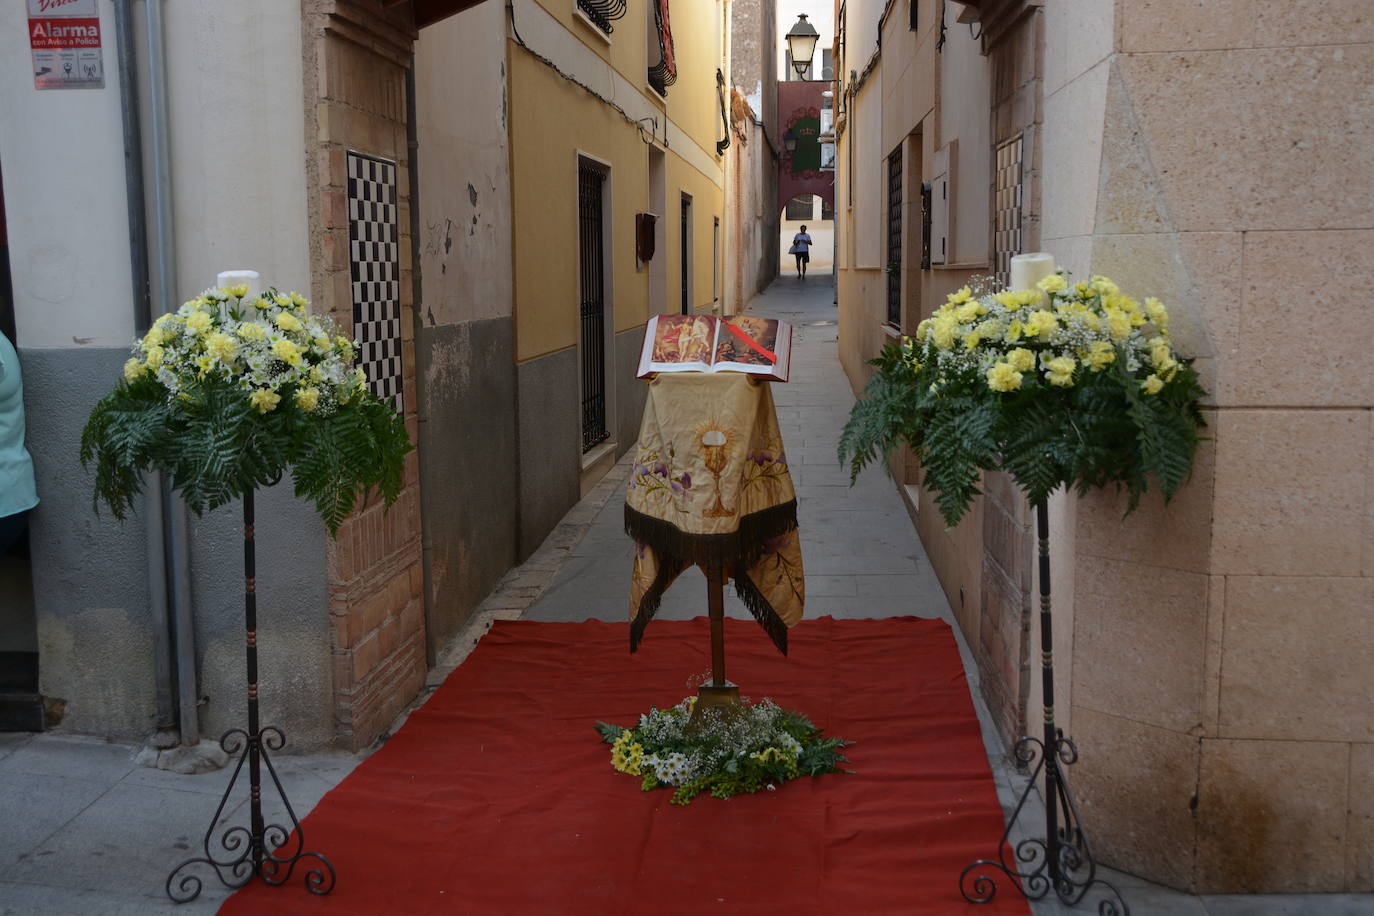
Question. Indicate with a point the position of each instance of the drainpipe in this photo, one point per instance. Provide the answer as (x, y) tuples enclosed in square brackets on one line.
[(421, 390), (154, 520), (164, 261)]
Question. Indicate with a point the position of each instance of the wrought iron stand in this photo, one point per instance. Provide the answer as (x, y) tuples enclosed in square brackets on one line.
[(1062, 861), (258, 848)]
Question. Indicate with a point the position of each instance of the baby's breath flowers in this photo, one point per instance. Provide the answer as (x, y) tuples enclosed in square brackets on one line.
[(228, 392), (1067, 383), (760, 746)]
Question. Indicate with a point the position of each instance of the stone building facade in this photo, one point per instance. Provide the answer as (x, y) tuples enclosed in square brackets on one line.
[(1210, 653)]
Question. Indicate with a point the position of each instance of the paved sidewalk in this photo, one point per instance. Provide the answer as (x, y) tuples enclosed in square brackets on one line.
[(84, 830)]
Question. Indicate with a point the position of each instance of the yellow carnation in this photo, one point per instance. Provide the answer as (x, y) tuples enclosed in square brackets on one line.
[(1040, 324), (1100, 355), (1159, 352), (198, 321), (1059, 371), (1104, 286), (1152, 384), (942, 331), (1014, 332), (132, 369), (153, 355), (923, 329), (288, 322), (1119, 324), (308, 399), (264, 399), (251, 330), (298, 300), (221, 346), (971, 340), (961, 295), (287, 352), (968, 312), (1021, 359), (1157, 312), (1053, 283), (1003, 377)]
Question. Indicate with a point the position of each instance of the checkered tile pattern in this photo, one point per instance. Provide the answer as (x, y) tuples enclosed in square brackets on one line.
[(374, 260), (1006, 238)]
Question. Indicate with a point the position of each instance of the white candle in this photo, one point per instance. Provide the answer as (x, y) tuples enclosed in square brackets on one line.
[(249, 278), (1029, 269)]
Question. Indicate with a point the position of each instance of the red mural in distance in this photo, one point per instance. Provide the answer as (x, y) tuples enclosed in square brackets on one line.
[(799, 110)]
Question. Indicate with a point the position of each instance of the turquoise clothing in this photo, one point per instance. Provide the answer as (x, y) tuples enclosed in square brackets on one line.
[(17, 489)]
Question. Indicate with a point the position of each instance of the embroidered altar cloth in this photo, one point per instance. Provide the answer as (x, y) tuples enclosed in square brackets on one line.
[(710, 485)]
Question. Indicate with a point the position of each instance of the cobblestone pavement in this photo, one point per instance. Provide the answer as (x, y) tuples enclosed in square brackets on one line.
[(85, 830)]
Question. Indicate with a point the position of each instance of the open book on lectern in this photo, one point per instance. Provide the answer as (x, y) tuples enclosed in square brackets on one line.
[(705, 343)]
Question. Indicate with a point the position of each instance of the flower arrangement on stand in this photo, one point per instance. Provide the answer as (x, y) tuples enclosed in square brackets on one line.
[(1064, 384), (228, 392), (223, 396), (1060, 384), (742, 750)]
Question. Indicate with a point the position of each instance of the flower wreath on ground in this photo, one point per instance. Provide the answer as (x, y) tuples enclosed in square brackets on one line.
[(1069, 384), (228, 392), (726, 752)]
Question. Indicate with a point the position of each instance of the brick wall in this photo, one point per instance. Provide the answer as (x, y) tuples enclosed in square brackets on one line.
[(356, 56)]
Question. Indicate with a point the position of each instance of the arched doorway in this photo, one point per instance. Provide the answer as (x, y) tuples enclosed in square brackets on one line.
[(817, 215)]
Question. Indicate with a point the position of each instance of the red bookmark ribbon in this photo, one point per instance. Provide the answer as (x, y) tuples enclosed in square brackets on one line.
[(752, 344)]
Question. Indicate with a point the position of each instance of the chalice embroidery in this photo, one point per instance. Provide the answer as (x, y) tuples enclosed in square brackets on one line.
[(713, 443)]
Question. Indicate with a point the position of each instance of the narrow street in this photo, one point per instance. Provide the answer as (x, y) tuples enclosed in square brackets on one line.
[(862, 556), (93, 832)]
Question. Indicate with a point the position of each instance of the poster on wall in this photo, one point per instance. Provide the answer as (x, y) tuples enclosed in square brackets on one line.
[(64, 36)]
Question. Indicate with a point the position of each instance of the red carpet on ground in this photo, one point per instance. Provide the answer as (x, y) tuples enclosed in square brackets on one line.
[(498, 796)]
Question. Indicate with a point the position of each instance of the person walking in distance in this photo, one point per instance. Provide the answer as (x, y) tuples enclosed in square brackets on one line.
[(801, 247)]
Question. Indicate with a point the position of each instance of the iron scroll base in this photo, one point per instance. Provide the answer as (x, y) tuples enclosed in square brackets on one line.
[(255, 850), (1061, 861)]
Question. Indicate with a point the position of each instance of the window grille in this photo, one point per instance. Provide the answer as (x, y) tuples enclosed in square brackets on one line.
[(1007, 239), (601, 12), (590, 185), (894, 239)]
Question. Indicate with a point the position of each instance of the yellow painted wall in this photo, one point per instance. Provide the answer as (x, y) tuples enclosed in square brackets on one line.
[(552, 121), (708, 201)]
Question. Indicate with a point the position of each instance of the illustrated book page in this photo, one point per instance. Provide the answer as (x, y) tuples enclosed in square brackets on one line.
[(705, 343)]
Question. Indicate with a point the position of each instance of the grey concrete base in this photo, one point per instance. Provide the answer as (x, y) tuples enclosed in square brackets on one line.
[(631, 392), (91, 600), (550, 442), (468, 460)]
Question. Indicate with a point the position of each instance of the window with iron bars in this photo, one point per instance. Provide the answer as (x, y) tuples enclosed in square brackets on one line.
[(602, 12), (894, 239)]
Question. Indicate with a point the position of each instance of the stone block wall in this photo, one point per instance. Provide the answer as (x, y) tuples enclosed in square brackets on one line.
[(1221, 661), (356, 55)]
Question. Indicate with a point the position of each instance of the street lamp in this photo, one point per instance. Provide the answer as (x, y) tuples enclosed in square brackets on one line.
[(789, 141), (801, 44)]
